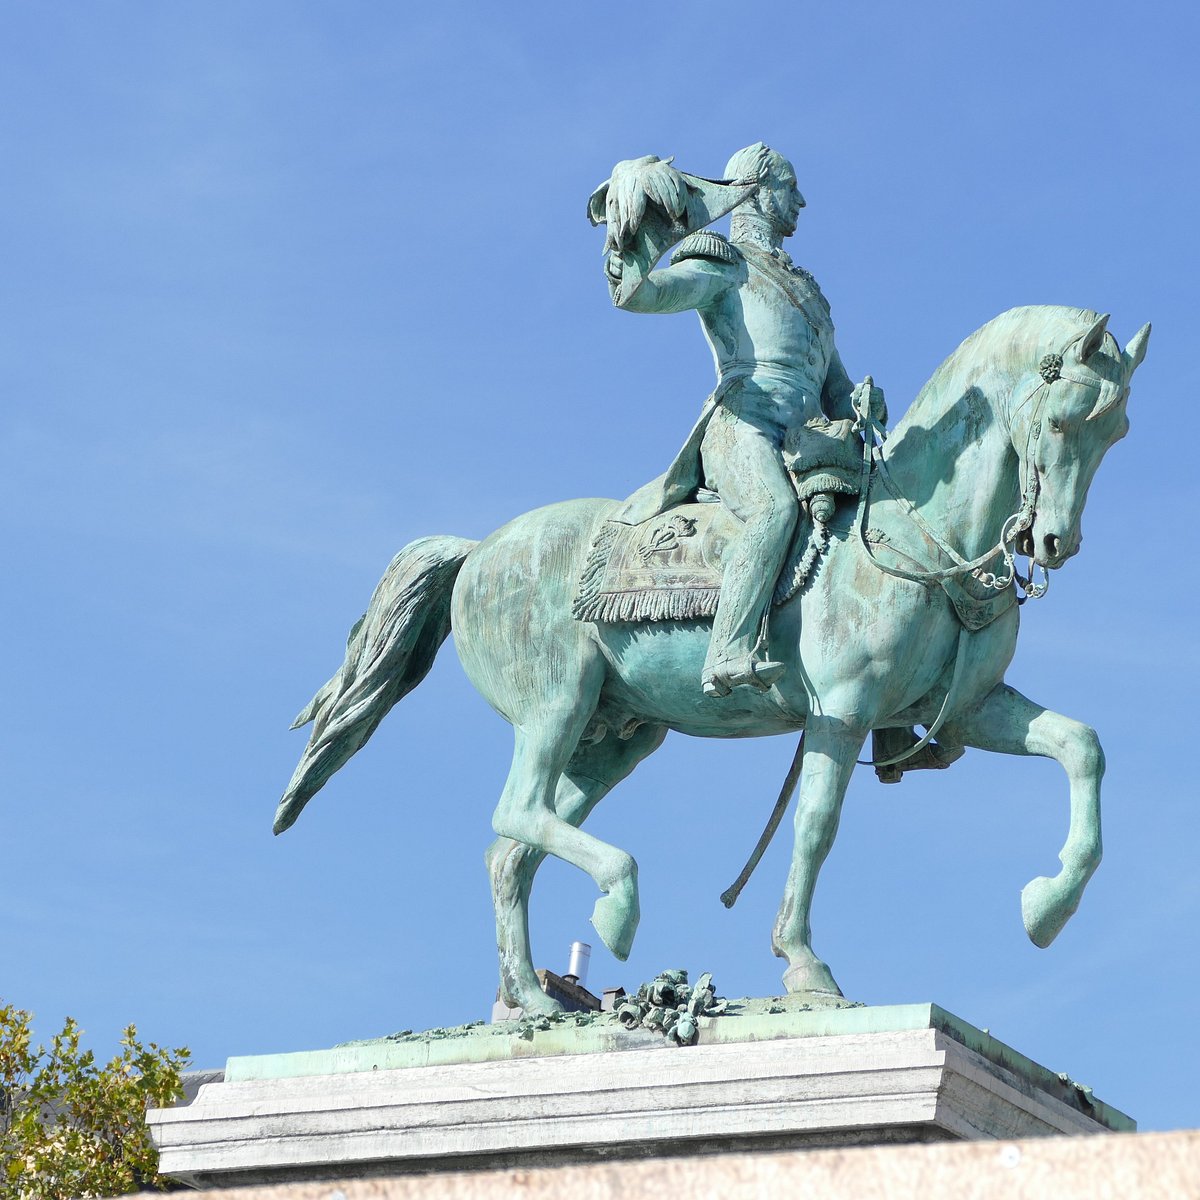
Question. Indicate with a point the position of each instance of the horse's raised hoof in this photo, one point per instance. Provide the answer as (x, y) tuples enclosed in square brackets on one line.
[(616, 916), (1045, 910), (811, 975)]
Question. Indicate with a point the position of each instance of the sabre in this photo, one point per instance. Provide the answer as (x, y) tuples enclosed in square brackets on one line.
[(730, 894)]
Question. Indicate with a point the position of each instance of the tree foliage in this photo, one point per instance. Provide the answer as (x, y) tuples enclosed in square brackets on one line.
[(70, 1127)]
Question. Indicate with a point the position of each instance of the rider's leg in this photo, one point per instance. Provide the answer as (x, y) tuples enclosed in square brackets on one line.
[(1009, 723), (592, 772), (742, 461), (830, 749), (891, 743)]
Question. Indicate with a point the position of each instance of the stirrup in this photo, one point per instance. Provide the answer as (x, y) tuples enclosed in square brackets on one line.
[(934, 757), (760, 675)]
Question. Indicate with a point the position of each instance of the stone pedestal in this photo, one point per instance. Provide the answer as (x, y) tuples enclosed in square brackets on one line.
[(763, 1077)]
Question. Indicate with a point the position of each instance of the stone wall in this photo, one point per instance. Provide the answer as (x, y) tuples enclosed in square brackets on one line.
[(1107, 1167)]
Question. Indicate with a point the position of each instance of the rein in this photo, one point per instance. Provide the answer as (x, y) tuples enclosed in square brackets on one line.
[(1012, 527), (1050, 370), (869, 428), (960, 656)]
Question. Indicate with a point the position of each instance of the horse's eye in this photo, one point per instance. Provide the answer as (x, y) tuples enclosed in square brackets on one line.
[(1055, 425)]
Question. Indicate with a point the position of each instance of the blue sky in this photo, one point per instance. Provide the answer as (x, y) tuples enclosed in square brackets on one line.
[(287, 286)]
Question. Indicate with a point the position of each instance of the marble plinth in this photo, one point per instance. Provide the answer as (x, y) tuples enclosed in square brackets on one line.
[(763, 1077)]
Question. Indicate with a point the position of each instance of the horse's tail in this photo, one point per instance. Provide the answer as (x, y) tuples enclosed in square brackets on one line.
[(389, 652)]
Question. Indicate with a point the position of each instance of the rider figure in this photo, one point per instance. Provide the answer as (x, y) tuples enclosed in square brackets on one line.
[(777, 367)]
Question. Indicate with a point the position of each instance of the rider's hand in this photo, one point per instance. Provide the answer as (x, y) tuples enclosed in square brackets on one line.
[(867, 398), (614, 268), (878, 407)]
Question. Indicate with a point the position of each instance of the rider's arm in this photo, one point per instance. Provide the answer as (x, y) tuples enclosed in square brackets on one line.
[(835, 395), (693, 283)]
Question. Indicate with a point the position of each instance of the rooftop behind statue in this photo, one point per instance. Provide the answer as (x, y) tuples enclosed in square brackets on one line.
[(858, 584)]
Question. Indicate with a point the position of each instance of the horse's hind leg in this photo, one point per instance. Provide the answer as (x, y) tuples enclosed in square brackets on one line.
[(1009, 723), (526, 813), (592, 772)]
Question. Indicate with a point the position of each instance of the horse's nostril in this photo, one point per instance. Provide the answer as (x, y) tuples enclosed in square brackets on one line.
[(1053, 544)]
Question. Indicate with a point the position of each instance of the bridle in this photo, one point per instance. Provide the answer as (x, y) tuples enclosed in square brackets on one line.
[(1051, 371), (1050, 368)]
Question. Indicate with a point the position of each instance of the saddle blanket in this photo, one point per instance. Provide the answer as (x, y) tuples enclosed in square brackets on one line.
[(669, 567)]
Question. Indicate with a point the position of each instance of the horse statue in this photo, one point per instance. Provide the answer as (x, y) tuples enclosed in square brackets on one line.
[(909, 618)]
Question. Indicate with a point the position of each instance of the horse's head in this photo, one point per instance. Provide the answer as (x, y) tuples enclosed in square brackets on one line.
[(1072, 410)]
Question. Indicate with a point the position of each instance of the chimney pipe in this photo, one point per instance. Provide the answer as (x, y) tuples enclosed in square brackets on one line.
[(577, 969)]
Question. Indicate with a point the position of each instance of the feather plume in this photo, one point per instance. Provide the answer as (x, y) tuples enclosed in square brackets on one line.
[(634, 184)]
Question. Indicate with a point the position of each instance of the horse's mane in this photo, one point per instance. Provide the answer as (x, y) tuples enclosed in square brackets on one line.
[(1016, 338)]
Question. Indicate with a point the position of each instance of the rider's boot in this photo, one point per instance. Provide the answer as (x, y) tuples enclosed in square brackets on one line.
[(887, 743), (721, 680)]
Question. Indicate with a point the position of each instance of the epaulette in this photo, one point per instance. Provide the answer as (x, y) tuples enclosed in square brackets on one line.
[(705, 244)]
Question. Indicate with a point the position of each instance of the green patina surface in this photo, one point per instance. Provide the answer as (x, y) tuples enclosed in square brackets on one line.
[(891, 556), (746, 1020)]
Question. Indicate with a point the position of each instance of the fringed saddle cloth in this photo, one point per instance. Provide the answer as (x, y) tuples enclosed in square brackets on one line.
[(669, 567), (665, 569)]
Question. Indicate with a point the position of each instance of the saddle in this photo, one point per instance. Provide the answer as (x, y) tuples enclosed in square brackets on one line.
[(669, 567)]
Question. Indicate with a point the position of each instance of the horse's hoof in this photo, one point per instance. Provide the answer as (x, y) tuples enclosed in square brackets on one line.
[(811, 975), (615, 918), (529, 998), (1043, 910), (540, 1005)]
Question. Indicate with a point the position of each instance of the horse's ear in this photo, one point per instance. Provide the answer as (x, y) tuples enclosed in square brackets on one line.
[(597, 204), (1090, 342), (1136, 350)]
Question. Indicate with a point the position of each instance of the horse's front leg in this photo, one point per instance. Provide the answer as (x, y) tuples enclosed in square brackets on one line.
[(1009, 723), (830, 749)]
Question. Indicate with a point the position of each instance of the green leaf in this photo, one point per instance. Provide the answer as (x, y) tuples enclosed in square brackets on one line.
[(69, 1128)]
